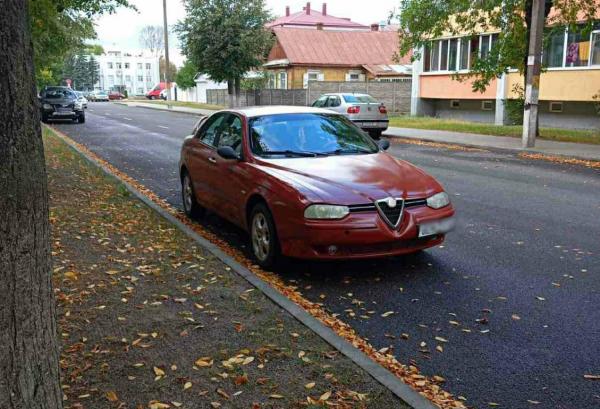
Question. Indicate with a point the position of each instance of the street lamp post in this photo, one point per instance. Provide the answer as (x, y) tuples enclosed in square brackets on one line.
[(166, 33)]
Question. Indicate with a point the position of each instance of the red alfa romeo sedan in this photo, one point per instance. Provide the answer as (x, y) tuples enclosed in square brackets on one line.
[(308, 183)]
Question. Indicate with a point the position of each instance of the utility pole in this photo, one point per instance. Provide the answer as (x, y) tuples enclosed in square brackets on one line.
[(534, 68), (167, 65)]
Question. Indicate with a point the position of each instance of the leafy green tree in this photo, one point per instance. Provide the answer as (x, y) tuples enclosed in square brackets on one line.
[(60, 26), (225, 38), (93, 71), (422, 20), (186, 76)]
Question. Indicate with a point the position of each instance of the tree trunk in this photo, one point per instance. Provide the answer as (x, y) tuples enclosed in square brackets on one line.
[(237, 86), (29, 372), (230, 87)]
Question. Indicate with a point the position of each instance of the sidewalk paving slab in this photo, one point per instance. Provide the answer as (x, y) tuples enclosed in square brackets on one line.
[(578, 150)]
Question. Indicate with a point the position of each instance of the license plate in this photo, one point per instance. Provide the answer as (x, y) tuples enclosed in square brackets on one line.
[(64, 110), (373, 124), (436, 227)]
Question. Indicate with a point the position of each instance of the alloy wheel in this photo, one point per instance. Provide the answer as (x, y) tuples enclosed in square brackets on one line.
[(261, 237)]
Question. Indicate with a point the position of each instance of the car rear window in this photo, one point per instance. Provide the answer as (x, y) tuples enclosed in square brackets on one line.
[(359, 99)]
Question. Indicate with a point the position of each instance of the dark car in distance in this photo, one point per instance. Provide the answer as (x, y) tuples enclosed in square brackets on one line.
[(61, 103), (308, 183)]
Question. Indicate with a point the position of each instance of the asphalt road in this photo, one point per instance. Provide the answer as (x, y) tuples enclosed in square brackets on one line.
[(514, 291)]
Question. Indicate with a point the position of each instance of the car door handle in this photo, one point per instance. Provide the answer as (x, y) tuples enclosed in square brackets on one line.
[(212, 160)]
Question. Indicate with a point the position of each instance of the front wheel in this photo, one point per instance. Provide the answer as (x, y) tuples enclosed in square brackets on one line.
[(190, 205), (81, 118), (263, 237)]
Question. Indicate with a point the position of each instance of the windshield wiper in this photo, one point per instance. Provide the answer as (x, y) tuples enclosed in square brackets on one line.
[(349, 150), (290, 153)]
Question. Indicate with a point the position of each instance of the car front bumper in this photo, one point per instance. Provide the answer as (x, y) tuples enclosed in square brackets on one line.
[(363, 235)]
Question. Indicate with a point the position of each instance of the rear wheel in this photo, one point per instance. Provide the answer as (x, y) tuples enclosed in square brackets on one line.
[(190, 205), (263, 237), (81, 118)]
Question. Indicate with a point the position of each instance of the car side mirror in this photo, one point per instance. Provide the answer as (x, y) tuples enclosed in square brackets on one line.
[(227, 152), (384, 144)]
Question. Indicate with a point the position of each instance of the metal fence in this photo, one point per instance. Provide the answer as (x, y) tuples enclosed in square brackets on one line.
[(395, 95)]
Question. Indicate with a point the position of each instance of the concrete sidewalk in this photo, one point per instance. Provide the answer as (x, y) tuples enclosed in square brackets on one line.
[(577, 150), (568, 149)]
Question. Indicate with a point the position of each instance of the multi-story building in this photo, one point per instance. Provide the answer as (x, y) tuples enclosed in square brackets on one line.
[(132, 71), (567, 86)]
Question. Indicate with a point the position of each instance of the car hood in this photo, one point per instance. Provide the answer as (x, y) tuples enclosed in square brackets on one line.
[(352, 179)]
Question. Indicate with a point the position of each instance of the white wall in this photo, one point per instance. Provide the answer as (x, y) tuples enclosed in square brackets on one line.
[(128, 77), (198, 93)]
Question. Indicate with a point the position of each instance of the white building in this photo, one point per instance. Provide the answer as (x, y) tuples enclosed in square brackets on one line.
[(133, 71)]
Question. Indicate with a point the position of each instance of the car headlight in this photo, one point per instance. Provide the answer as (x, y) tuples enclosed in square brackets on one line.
[(78, 104), (323, 211), (47, 106), (438, 200)]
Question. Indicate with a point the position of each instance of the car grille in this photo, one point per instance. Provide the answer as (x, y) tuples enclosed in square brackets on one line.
[(391, 215), (370, 207)]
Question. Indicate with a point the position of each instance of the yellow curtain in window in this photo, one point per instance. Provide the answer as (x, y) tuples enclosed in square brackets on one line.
[(584, 51)]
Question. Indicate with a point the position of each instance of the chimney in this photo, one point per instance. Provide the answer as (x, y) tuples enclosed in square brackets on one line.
[(324, 12), (287, 11), (375, 27), (319, 26), (308, 8)]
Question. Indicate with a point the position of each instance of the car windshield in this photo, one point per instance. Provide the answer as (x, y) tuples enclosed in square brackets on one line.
[(307, 134), (359, 99), (59, 93)]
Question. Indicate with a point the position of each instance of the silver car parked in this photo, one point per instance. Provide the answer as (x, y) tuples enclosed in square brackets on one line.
[(362, 109)]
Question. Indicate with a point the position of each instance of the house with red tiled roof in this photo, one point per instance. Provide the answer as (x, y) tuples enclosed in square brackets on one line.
[(299, 56), (309, 18)]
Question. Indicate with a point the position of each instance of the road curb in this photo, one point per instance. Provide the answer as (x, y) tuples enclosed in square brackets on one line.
[(493, 148), (379, 373), (172, 109)]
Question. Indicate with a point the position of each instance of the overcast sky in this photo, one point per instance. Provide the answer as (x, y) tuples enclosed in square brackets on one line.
[(121, 30)]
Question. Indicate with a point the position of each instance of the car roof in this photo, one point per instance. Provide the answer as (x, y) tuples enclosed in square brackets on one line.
[(343, 94), (255, 111)]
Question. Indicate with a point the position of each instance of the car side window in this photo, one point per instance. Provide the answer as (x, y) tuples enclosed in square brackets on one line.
[(320, 103), (333, 102), (211, 129), (231, 134)]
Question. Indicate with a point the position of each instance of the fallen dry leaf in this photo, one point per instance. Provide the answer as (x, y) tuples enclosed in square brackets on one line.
[(112, 396)]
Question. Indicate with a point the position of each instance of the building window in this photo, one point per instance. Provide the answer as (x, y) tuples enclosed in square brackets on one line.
[(487, 105), (435, 56), (110, 65), (271, 80), (128, 78), (556, 106), (126, 65), (354, 76), (595, 52), (282, 80), (148, 66), (572, 49), (554, 53), (148, 79), (454, 103), (140, 90), (118, 66), (140, 78), (444, 56), (465, 44), (140, 66)]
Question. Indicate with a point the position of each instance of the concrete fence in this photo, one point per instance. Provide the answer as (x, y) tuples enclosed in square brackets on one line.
[(395, 95), (260, 97)]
